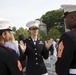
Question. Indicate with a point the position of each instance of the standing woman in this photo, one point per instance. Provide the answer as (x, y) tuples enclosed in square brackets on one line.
[(35, 51)]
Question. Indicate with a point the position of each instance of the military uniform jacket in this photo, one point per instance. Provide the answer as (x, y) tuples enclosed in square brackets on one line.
[(66, 53), (8, 62), (35, 54)]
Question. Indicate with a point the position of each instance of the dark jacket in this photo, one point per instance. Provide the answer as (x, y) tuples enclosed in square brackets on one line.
[(51, 49), (9, 64), (22, 58), (35, 54), (66, 53)]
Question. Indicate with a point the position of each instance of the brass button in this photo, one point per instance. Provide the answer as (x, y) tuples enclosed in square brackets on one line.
[(35, 53), (36, 58), (35, 49), (36, 63)]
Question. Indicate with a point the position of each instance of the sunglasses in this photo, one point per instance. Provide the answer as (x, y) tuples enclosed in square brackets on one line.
[(34, 28)]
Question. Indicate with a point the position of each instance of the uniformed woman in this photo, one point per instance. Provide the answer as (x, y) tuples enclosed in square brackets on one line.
[(36, 51)]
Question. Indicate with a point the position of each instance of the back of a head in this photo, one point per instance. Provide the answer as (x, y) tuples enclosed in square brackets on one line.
[(21, 37), (57, 40)]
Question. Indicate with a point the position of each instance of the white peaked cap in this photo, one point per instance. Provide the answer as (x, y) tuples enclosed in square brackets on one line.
[(35, 23), (4, 24), (69, 8)]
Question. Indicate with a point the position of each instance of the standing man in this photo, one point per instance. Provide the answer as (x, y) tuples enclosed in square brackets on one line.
[(35, 51), (9, 63), (66, 63)]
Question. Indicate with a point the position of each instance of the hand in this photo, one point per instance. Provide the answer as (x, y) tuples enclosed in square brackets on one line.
[(48, 44), (56, 74), (23, 46)]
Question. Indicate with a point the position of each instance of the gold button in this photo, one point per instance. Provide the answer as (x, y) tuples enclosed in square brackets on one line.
[(36, 58), (35, 49), (36, 63), (35, 53)]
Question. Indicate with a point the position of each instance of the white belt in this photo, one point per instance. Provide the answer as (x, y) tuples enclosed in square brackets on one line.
[(45, 74), (72, 71)]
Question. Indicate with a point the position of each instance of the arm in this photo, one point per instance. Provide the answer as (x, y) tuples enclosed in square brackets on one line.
[(45, 52)]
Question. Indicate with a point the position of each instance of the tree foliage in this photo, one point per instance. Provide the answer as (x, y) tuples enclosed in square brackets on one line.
[(53, 19), (14, 29), (21, 31), (42, 34), (53, 33)]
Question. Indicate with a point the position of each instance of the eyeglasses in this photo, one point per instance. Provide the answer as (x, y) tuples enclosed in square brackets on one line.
[(34, 28)]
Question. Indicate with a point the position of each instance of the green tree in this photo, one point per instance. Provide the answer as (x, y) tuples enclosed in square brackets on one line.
[(53, 19), (21, 31), (42, 35), (14, 29), (53, 33)]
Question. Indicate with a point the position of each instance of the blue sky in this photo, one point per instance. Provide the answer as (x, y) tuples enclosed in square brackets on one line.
[(19, 12)]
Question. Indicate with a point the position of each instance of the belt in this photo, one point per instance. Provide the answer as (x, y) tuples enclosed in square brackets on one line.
[(72, 71), (45, 74)]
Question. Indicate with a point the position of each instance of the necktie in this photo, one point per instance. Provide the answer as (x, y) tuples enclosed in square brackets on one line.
[(34, 42)]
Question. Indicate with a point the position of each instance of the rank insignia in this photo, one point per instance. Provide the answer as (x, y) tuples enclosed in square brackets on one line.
[(41, 42), (60, 49)]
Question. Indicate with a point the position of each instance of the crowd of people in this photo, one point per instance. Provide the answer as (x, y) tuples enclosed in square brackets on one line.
[(27, 56)]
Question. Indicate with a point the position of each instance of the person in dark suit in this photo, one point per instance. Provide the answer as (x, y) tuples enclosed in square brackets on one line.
[(21, 50), (20, 46), (9, 63), (35, 51), (66, 63)]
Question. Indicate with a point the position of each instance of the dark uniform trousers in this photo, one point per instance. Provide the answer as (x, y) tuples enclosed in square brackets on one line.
[(35, 54), (9, 62), (67, 60)]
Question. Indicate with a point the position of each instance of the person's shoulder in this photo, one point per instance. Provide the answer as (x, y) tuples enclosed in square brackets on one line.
[(4, 48), (26, 40), (8, 44), (4, 51), (70, 32)]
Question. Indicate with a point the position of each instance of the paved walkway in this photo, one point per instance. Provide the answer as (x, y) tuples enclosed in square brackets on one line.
[(50, 64)]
